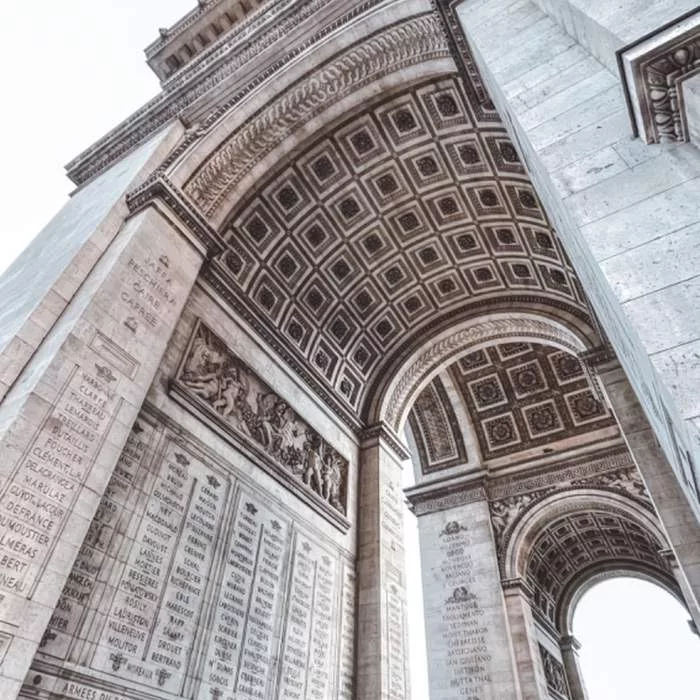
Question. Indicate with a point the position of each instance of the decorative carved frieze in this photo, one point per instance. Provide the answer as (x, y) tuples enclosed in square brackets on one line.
[(505, 513), (654, 70), (554, 673), (159, 187), (510, 499), (381, 431), (627, 481), (446, 498), (222, 387)]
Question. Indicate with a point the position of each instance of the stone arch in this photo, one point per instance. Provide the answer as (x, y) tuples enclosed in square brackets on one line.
[(234, 155), (536, 520), (592, 534), (231, 150), (393, 398), (594, 575)]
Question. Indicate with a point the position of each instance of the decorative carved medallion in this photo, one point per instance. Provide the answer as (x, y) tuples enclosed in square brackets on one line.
[(215, 379), (526, 395)]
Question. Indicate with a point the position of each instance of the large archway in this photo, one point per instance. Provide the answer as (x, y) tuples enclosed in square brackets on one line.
[(347, 264), (525, 495)]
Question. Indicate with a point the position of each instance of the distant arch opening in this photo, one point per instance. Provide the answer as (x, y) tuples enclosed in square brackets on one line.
[(636, 642)]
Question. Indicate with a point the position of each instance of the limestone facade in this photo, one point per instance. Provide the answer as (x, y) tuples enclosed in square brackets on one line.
[(343, 236)]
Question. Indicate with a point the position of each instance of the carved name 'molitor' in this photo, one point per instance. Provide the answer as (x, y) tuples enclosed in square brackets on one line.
[(212, 375)]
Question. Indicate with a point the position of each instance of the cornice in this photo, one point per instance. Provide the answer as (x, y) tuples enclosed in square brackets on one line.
[(222, 61), (381, 432), (653, 70), (159, 188)]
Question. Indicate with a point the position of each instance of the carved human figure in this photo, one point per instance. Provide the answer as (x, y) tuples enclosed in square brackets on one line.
[(274, 414), (313, 471), (202, 372), (197, 359), (332, 478), (500, 514), (629, 481), (232, 395)]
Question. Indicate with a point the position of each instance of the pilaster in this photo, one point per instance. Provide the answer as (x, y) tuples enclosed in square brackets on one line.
[(382, 634), (569, 654), (533, 683), (672, 493), (470, 653)]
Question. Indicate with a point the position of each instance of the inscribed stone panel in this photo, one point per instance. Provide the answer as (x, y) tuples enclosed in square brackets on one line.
[(193, 582)]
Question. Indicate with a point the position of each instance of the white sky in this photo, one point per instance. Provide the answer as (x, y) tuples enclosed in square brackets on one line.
[(70, 71)]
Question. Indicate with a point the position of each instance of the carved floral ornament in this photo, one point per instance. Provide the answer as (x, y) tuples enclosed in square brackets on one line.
[(654, 70), (216, 380)]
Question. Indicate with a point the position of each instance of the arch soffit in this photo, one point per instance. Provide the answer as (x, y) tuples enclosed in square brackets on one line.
[(235, 147), (535, 521), (393, 401), (239, 149)]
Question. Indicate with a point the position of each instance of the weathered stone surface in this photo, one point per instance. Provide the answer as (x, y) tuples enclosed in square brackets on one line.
[(378, 218)]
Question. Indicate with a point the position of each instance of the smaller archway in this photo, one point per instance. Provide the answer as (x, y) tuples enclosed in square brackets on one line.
[(561, 549), (635, 641)]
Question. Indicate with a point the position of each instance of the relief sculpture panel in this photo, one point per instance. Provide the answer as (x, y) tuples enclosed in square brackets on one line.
[(217, 384), (192, 582)]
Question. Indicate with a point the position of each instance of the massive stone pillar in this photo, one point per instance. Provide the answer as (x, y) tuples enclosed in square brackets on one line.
[(667, 487), (382, 644), (569, 654), (470, 645), (66, 417), (524, 638), (626, 210)]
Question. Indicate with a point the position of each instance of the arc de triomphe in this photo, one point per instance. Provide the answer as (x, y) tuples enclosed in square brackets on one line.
[(343, 235)]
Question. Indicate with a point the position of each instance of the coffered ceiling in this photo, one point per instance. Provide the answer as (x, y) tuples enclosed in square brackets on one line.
[(573, 544), (385, 227), (517, 396)]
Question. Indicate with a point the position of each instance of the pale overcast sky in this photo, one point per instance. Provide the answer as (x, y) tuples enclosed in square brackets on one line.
[(71, 70)]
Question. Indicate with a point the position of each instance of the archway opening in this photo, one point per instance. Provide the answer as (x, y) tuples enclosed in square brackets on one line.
[(636, 643)]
